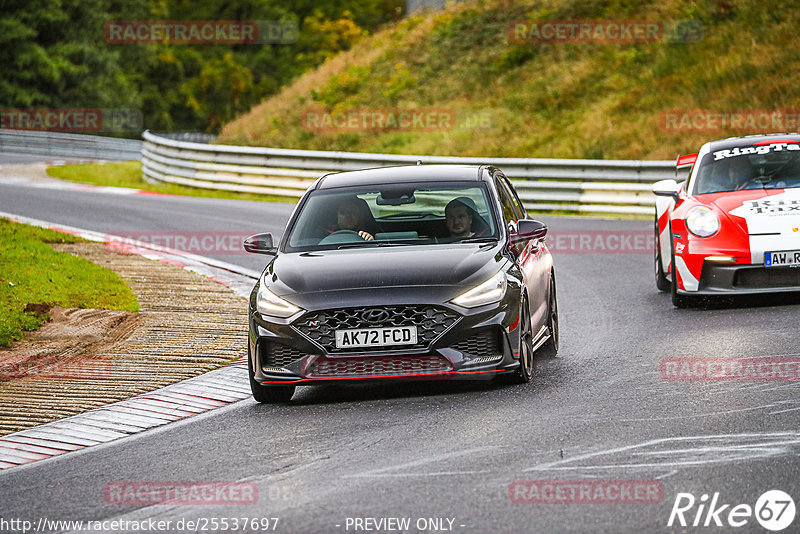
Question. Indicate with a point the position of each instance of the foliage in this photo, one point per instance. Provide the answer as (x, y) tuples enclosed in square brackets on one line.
[(54, 55)]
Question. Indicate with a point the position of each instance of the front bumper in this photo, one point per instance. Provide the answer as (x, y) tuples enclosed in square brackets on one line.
[(745, 279), (477, 345)]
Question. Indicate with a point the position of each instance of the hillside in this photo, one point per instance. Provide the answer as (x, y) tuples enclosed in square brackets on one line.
[(570, 99)]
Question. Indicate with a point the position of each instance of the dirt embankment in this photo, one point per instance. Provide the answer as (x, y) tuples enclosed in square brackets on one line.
[(85, 358)]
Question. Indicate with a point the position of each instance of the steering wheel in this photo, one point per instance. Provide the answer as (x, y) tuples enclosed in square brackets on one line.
[(341, 236)]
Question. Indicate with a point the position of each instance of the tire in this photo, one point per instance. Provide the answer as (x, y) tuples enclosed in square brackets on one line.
[(267, 394), (523, 373), (550, 347), (662, 283)]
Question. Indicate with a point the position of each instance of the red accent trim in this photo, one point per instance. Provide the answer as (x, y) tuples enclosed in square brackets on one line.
[(775, 142), (686, 160), (448, 373), (515, 324)]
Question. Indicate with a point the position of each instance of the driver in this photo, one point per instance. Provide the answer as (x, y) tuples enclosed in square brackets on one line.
[(350, 216)]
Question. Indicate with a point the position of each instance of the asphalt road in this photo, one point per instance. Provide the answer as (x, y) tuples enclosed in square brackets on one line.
[(599, 412)]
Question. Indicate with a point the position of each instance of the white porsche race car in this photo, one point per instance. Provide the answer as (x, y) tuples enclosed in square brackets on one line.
[(733, 227)]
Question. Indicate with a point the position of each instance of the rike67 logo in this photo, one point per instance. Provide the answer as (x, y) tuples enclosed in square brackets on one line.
[(774, 510)]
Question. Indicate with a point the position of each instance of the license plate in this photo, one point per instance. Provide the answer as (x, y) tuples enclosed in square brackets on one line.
[(785, 258), (376, 337)]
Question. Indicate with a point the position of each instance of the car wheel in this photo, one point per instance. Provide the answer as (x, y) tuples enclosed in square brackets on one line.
[(550, 347), (662, 283), (524, 372), (267, 394)]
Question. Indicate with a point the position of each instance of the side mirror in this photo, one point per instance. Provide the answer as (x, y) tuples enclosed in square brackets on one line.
[(667, 188), (528, 229), (259, 244)]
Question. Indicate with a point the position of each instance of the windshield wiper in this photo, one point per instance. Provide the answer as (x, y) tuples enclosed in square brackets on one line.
[(368, 244), (478, 240)]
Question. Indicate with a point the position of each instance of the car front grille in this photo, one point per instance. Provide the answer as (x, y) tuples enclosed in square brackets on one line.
[(277, 355), (767, 277), (481, 344), (377, 366), (431, 322)]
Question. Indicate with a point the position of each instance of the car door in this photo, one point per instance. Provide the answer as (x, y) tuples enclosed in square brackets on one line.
[(528, 254)]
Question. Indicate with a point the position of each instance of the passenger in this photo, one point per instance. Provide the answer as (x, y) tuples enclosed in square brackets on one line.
[(458, 216), (729, 175), (740, 173)]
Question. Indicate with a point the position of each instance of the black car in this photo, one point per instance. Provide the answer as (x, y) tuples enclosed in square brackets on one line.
[(401, 273)]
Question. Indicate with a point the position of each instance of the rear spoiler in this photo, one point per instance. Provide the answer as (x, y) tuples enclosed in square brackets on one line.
[(684, 161)]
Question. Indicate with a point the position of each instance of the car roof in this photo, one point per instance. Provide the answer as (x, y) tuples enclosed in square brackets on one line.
[(405, 174), (750, 140)]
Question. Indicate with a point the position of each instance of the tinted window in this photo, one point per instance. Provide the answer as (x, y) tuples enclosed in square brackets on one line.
[(393, 214), (775, 166), (509, 213)]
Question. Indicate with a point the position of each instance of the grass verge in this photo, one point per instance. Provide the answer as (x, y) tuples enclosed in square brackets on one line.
[(129, 174), (35, 277)]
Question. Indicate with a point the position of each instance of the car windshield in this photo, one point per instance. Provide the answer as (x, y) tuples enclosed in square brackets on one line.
[(393, 215), (773, 166)]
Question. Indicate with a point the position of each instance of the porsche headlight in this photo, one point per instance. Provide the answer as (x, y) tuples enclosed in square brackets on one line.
[(270, 304), (702, 221), (489, 291)]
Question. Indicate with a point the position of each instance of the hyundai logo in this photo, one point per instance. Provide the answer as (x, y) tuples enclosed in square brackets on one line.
[(375, 316)]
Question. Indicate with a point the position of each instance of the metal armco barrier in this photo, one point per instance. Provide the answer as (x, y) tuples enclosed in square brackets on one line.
[(69, 146), (591, 186)]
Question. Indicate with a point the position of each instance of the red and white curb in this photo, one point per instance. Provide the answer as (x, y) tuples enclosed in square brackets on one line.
[(122, 419), (190, 397)]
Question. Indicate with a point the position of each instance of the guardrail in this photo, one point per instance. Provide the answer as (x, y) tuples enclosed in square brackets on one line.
[(593, 186), (69, 146)]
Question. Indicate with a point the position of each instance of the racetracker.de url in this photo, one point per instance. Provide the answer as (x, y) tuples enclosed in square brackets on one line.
[(113, 526)]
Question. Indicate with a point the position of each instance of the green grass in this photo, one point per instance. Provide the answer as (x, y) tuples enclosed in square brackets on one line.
[(129, 174), (33, 273), (564, 99)]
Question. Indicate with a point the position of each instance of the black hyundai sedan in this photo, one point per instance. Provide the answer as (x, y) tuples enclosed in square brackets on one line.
[(425, 272)]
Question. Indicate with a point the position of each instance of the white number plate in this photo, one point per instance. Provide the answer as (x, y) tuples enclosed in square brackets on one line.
[(376, 337), (784, 258)]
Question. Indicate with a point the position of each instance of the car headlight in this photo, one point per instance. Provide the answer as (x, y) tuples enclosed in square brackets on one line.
[(270, 304), (489, 291), (702, 221)]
